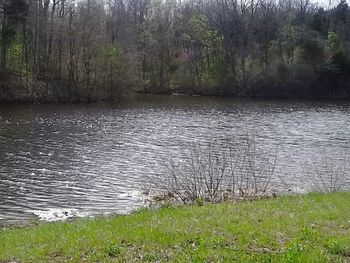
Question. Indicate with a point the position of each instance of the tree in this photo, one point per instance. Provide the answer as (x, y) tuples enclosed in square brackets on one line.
[(234, 47), (14, 13)]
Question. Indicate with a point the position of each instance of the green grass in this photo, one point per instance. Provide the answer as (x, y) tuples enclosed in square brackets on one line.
[(308, 228)]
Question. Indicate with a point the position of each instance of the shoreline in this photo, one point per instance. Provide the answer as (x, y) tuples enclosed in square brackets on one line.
[(82, 101), (289, 228)]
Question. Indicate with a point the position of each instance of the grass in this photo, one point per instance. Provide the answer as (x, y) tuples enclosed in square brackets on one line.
[(307, 228)]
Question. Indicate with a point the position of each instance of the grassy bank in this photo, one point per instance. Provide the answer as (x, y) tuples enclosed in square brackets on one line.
[(310, 228)]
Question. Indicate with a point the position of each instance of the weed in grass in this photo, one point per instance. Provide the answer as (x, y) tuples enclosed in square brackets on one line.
[(293, 252), (211, 243), (308, 233), (199, 201), (218, 242), (149, 258), (336, 247), (113, 250)]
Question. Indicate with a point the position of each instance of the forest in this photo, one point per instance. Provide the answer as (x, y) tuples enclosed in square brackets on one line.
[(89, 50)]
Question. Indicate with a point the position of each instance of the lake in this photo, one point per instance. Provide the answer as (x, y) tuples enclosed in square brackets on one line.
[(86, 159)]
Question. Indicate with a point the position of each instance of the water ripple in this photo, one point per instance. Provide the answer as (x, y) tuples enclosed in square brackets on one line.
[(68, 160)]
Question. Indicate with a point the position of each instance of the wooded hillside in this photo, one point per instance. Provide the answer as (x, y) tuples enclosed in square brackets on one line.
[(94, 49)]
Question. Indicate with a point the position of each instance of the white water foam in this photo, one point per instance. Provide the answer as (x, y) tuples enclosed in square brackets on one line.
[(143, 198), (135, 195), (61, 214), (58, 214), (299, 190)]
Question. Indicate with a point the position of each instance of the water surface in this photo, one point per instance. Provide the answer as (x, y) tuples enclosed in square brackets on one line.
[(96, 158)]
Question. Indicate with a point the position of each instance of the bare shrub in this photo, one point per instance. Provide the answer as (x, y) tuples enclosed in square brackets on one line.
[(331, 174), (216, 171)]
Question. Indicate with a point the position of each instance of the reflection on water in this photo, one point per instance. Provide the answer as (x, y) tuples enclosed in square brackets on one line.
[(94, 158)]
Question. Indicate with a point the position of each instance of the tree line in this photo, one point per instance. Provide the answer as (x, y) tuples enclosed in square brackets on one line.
[(105, 48)]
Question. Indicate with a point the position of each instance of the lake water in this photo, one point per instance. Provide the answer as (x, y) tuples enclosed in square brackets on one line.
[(62, 160)]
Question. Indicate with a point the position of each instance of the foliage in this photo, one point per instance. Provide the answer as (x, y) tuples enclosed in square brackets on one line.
[(15, 54), (266, 49)]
